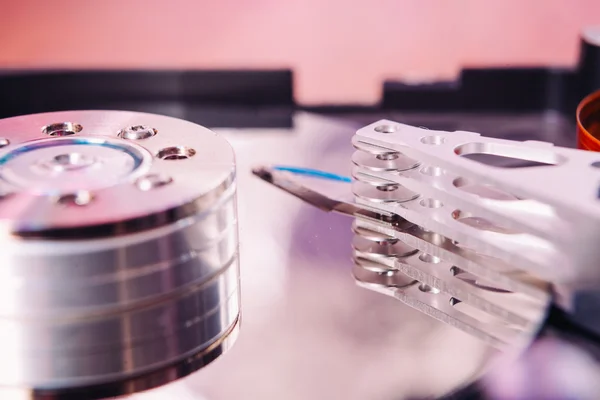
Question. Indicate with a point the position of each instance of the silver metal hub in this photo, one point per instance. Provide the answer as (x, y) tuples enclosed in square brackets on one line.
[(119, 252), (69, 164)]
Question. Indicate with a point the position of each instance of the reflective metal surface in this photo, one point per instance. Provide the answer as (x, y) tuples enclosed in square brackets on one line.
[(119, 255), (309, 330), (64, 162)]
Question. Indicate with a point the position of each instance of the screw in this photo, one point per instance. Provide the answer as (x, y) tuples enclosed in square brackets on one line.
[(153, 181), (137, 132)]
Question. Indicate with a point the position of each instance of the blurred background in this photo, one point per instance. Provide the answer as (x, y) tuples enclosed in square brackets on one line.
[(340, 51)]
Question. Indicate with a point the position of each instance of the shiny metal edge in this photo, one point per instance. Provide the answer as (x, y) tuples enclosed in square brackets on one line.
[(204, 204), (136, 383), (213, 155)]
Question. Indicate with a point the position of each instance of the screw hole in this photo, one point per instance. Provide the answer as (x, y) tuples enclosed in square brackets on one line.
[(80, 198), (71, 159), (428, 258), (137, 132), (433, 140), (454, 301), (596, 164), (176, 153), (68, 162), (431, 203), (62, 129), (386, 128), (428, 289), (387, 156), (387, 188)]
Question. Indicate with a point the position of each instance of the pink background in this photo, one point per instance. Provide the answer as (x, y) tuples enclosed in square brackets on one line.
[(340, 50)]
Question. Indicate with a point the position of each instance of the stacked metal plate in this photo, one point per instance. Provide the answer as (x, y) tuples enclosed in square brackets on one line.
[(441, 276), (483, 234), (480, 231), (119, 252)]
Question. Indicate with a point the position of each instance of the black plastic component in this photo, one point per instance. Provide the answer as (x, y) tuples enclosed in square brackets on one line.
[(515, 90), (589, 61), (518, 90), (214, 98)]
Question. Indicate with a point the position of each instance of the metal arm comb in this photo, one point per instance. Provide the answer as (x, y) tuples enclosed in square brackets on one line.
[(485, 248)]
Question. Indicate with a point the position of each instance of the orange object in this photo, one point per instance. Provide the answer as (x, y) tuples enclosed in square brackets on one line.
[(588, 123)]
